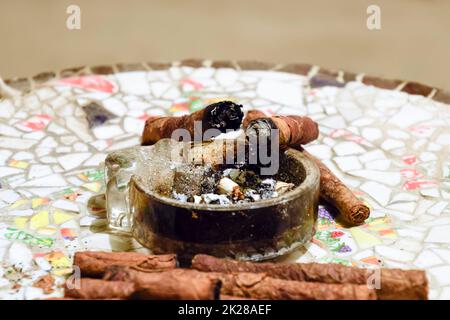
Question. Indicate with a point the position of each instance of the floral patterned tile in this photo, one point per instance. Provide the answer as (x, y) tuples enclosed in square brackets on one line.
[(391, 148)]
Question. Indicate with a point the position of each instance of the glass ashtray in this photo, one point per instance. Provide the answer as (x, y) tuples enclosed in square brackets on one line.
[(255, 231)]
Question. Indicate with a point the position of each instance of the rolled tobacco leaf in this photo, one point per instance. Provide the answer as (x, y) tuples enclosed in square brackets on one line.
[(393, 283), (335, 192), (241, 284), (184, 284), (293, 131), (222, 115), (261, 286), (94, 263), (93, 289)]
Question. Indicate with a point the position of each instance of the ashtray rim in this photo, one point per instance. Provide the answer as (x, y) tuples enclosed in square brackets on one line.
[(312, 177)]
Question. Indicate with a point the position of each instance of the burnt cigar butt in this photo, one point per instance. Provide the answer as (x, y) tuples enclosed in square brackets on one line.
[(93, 289), (184, 284), (334, 191), (394, 283), (222, 115), (94, 263)]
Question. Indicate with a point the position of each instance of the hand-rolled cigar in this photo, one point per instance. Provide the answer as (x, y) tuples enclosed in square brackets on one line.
[(222, 115), (335, 192), (293, 131), (94, 263), (394, 283), (99, 289), (261, 286), (241, 284), (184, 284)]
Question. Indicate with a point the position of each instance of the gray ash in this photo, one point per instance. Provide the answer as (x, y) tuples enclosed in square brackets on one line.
[(227, 185)]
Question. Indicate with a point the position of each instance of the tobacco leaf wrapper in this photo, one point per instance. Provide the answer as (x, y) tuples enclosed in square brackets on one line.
[(261, 286), (175, 284), (293, 131), (221, 115), (394, 283), (241, 284), (94, 263), (93, 289), (335, 192)]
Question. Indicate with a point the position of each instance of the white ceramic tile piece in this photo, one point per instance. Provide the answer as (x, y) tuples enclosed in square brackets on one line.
[(38, 170), (377, 191), (348, 148), (372, 134), (72, 160), (107, 132), (409, 115), (133, 125), (348, 163), (66, 205), (279, 92), (390, 178), (427, 258), (390, 144), (394, 253), (439, 234), (20, 256), (372, 155), (438, 208), (441, 274)]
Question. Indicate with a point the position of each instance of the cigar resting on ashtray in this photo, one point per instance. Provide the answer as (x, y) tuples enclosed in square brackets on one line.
[(94, 263), (176, 284), (242, 284), (393, 283), (296, 131), (293, 131), (221, 116)]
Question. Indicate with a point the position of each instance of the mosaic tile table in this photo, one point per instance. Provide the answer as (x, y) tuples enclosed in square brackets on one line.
[(388, 140)]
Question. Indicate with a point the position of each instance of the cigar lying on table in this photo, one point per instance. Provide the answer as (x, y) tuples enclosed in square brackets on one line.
[(93, 289), (242, 284), (295, 131), (94, 263), (394, 283), (222, 115), (127, 283)]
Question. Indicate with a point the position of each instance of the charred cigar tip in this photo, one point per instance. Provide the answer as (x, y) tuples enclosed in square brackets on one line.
[(223, 115)]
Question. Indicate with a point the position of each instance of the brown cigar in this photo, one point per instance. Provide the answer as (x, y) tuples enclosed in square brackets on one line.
[(227, 297), (332, 190), (394, 283), (293, 131), (175, 284), (246, 285), (94, 263), (99, 289), (261, 286), (335, 192), (222, 115)]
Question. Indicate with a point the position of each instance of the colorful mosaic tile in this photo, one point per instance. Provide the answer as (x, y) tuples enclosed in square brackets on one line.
[(390, 147)]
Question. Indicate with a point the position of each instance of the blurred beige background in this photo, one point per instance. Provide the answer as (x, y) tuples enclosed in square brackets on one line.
[(413, 44)]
